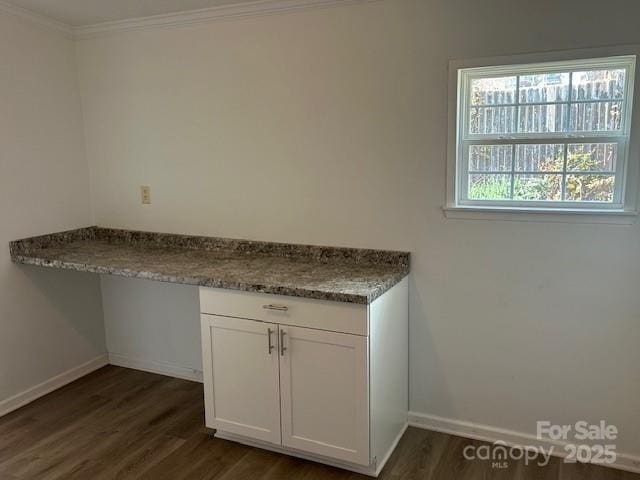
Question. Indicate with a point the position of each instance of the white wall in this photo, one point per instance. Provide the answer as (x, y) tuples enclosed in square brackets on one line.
[(329, 126), (50, 322), (153, 326)]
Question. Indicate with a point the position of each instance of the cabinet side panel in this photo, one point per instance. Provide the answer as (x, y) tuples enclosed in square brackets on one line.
[(207, 370), (389, 347)]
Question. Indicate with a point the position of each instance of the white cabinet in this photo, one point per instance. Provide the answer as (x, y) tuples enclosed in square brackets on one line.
[(276, 379), (324, 393), (242, 363)]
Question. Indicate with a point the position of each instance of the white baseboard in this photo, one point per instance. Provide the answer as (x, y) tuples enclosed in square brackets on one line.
[(13, 403), (154, 366), (487, 433)]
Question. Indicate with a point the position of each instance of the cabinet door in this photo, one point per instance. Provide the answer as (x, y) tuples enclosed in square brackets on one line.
[(324, 393), (241, 377)]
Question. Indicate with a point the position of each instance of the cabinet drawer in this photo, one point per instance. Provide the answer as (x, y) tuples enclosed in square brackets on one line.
[(296, 311)]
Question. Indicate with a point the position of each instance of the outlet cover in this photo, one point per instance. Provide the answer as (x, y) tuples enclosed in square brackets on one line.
[(145, 193)]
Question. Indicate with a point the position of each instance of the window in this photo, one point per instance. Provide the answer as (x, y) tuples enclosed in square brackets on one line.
[(545, 135)]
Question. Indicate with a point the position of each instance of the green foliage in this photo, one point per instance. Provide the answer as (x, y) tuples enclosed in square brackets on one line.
[(491, 187), (579, 187), (539, 187), (595, 188)]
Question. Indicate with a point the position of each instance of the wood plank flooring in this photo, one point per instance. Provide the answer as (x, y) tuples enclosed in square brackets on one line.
[(118, 423)]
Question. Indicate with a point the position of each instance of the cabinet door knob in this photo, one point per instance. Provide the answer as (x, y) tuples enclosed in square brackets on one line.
[(280, 308), (282, 347), (270, 345)]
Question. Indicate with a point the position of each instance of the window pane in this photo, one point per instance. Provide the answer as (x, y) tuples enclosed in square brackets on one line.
[(546, 87), (590, 188), (598, 85), (592, 157), (493, 91), (490, 158), (542, 118), (492, 120), (537, 187), (539, 158), (595, 117), (490, 187)]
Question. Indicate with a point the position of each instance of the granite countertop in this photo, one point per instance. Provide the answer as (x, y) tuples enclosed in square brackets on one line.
[(326, 273)]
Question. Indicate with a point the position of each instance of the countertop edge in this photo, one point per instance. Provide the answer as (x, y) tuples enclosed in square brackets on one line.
[(25, 251), (214, 283), (197, 242)]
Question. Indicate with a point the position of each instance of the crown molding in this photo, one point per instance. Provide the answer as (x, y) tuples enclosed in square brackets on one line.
[(246, 9), (252, 8), (36, 18)]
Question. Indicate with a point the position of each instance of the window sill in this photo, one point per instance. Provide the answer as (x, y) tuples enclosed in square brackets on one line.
[(611, 217)]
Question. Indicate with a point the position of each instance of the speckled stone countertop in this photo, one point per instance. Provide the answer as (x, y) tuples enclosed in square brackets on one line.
[(326, 273)]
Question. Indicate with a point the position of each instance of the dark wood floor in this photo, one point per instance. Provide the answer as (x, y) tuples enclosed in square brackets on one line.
[(118, 423)]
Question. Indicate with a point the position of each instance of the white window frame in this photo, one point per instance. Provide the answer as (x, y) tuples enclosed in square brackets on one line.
[(461, 74)]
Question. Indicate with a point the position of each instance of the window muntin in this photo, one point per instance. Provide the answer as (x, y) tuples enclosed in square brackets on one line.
[(545, 135)]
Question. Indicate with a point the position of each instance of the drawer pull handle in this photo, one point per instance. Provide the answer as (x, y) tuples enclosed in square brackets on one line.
[(270, 345), (282, 347), (280, 308)]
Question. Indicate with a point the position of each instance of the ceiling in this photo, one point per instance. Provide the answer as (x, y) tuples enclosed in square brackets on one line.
[(88, 12)]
